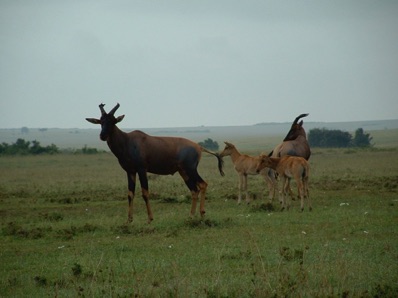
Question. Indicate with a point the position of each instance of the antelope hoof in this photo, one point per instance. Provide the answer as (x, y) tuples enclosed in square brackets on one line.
[(202, 213)]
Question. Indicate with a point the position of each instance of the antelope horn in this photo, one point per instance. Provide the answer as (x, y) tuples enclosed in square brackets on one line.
[(114, 109), (101, 106), (298, 118)]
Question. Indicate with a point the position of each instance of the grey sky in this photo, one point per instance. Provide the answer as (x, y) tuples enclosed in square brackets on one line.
[(191, 63)]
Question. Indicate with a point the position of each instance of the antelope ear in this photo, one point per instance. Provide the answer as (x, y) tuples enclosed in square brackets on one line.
[(120, 118), (93, 120)]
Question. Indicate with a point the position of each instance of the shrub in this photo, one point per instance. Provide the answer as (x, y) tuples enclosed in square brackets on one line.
[(209, 144), (361, 139), (338, 139), (22, 147)]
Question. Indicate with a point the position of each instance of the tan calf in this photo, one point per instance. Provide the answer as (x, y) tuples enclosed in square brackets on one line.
[(289, 167), (247, 165)]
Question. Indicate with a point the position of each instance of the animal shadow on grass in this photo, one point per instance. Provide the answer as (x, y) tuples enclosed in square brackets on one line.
[(16, 230), (126, 229), (207, 223), (201, 223), (263, 207)]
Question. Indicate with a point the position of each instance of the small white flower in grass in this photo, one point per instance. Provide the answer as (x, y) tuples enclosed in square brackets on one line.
[(303, 232), (366, 232), (366, 213), (117, 237), (170, 246), (61, 247), (344, 239)]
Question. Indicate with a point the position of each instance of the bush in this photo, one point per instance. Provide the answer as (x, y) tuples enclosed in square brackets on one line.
[(88, 150), (22, 147), (209, 144), (361, 139), (328, 138), (338, 139)]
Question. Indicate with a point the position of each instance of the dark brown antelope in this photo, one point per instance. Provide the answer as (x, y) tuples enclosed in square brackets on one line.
[(289, 167), (295, 143), (246, 165), (139, 153)]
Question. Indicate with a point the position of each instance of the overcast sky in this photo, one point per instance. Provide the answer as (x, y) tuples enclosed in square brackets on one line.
[(190, 63)]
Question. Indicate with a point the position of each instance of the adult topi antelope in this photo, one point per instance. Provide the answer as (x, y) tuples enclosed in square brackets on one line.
[(289, 167), (139, 153), (246, 165), (295, 143)]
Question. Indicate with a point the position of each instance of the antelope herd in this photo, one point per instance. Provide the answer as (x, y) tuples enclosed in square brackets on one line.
[(139, 153)]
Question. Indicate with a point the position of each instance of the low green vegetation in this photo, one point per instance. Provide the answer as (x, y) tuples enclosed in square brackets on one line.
[(326, 138), (23, 147), (209, 144), (64, 233)]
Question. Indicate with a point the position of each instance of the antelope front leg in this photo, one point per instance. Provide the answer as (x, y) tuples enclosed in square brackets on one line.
[(284, 193), (130, 196), (287, 193), (246, 190), (240, 186), (269, 177), (145, 194)]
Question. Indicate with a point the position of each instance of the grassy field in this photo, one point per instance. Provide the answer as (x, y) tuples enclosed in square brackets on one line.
[(63, 231)]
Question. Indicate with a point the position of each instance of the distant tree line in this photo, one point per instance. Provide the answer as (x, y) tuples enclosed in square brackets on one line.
[(209, 144), (22, 147), (338, 139), (88, 150)]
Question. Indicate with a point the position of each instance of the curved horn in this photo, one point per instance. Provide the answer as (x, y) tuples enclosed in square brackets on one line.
[(114, 109), (298, 118), (101, 106)]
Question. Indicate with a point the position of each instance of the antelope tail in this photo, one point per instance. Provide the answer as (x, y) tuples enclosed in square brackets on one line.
[(219, 158)]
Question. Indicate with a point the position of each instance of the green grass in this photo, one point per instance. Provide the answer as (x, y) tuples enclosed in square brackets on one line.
[(63, 231)]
